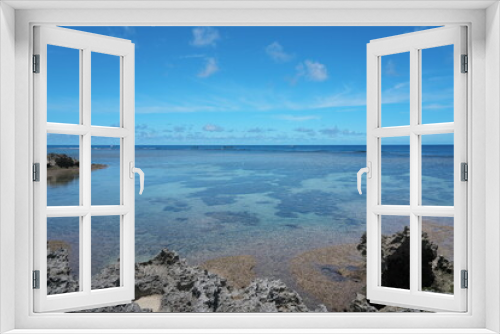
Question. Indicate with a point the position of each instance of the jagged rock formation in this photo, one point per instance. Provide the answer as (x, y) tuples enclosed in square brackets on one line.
[(190, 289), (437, 271), (59, 277), (125, 308)]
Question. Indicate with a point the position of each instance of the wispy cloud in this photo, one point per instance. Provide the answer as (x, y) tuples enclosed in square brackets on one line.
[(259, 130), (145, 131), (334, 132), (210, 68), (307, 131), (213, 128), (296, 118), (312, 71), (276, 51), (196, 55), (437, 106), (390, 68), (205, 36), (129, 30)]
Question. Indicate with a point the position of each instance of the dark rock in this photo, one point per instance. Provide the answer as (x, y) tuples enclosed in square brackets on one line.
[(192, 289), (124, 308), (361, 304), (437, 271), (59, 276)]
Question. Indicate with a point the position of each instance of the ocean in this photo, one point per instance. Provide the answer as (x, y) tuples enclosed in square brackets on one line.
[(270, 202)]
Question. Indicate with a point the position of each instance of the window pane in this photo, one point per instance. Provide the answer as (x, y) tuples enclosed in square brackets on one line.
[(63, 170), (105, 252), (105, 171), (395, 171), (437, 254), (105, 89), (63, 255), (63, 85), (437, 170), (395, 89), (437, 84), (395, 252)]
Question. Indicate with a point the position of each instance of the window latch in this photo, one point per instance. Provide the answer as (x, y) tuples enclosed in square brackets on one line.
[(133, 170), (368, 171)]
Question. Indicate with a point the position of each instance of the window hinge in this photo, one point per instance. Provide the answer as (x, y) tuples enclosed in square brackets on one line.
[(36, 172), (36, 63), (465, 64), (465, 279), (36, 279), (464, 171)]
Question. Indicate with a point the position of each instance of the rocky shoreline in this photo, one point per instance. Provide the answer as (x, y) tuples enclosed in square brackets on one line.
[(178, 287), (183, 288)]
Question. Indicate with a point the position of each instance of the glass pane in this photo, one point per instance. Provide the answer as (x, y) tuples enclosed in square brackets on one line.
[(63, 255), (105, 171), (437, 254), (395, 89), (395, 171), (437, 84), (105, 89), (63, 170), (63, 85), (395, 244), (105, 252), (437, 170)]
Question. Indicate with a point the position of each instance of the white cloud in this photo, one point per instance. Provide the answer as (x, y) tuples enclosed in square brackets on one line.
[(129, 30), (192, 56), (277, 53), (335, 132), (312, 71), (390, 68), (210, 68), (297, 118), (205, 36), (437, 106), (213, 128), (308, 131)]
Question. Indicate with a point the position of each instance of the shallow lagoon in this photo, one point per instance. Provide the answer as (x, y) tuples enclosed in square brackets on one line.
[(271, 202)]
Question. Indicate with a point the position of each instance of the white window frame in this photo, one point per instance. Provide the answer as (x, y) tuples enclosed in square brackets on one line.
[(483, 211), (86, 44), (414, 43)]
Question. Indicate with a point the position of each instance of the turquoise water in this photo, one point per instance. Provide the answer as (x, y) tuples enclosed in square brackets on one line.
[(272, 202)]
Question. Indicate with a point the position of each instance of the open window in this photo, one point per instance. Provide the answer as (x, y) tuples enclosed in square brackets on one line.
[(110, 221), (413, 212)]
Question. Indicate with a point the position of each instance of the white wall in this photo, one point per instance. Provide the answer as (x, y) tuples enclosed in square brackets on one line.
[(492, 165), (7, 158)]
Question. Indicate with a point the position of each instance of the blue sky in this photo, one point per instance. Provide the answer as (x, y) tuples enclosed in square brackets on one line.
[(251, 85)]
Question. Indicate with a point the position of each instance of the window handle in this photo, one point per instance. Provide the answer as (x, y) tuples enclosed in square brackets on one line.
[(133, 170), (368, 171)]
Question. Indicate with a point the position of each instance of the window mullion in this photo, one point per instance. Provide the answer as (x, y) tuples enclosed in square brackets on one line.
[(414, 170), (85, 179)]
